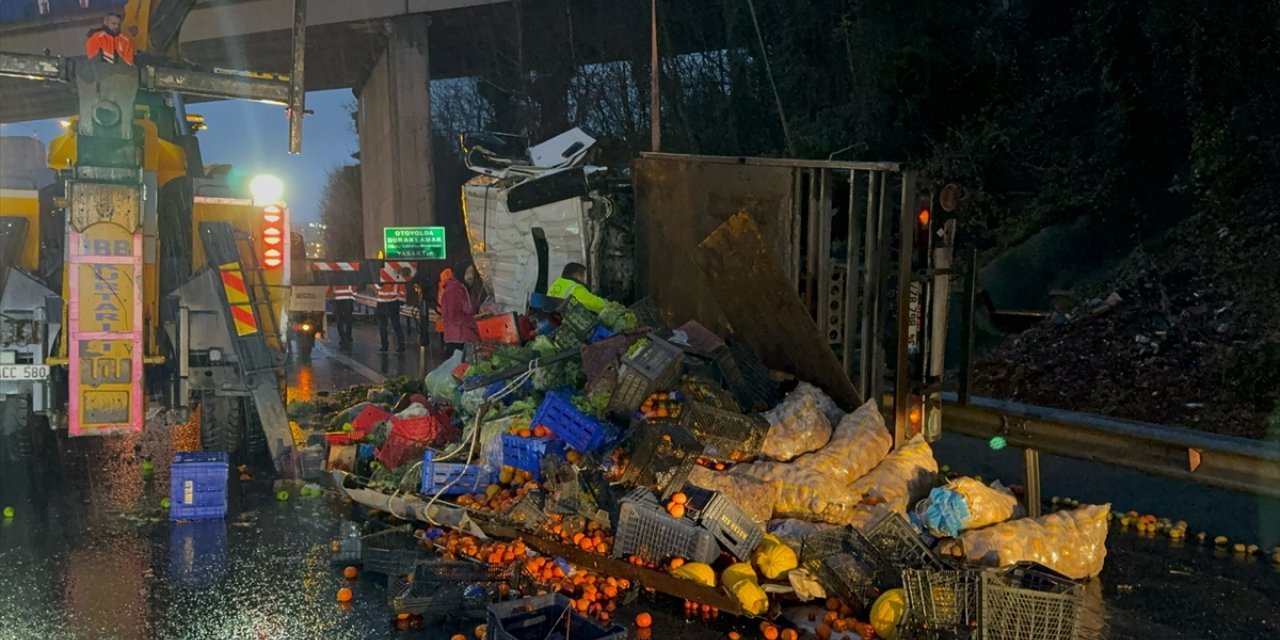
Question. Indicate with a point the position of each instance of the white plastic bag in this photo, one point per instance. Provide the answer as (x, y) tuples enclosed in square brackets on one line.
[(1073, 543), (440, 383)]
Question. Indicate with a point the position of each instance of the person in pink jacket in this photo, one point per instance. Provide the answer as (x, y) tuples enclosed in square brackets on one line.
[(457, 309)]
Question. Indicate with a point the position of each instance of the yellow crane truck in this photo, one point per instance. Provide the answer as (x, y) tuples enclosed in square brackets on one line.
[(146, 282)]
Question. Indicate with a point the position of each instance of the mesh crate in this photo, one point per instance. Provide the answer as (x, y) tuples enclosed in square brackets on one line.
[(528, 453), (540, 617), (576, 320), (647, 314), (393, 551), (732, 528), (442, 588), (646, 530), (942, 601), (474, 352), (409, 437), (452, 478), (746, 377), (1029, 602), (578, 430), (725, 435), (707, 391), (655, 366), (198, 486), (897, 547), (529, 511), (661, 454), (843, 562)]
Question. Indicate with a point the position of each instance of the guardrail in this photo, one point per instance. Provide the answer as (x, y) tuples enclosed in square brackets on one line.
[(1239, 464)]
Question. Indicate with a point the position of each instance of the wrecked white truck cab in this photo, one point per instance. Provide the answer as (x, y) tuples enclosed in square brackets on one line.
[(533, 209)]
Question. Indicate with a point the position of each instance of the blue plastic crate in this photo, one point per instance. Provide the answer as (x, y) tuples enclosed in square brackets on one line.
[(526, 454), (581, 432), (465, 478), (600, 332), (198, 486), (198, 552), (364, 452)]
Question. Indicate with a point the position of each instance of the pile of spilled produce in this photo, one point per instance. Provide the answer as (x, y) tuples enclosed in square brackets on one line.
[(546, 482)]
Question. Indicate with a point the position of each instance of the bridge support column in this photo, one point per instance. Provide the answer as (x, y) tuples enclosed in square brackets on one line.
[(397, 177)]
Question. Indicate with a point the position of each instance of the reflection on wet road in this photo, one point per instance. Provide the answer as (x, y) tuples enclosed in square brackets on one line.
[(91, 554)]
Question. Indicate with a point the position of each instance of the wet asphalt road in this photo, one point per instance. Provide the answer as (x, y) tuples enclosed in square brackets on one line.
[(91, 555)]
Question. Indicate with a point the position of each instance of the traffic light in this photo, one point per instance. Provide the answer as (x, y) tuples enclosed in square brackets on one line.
[(272, 239)]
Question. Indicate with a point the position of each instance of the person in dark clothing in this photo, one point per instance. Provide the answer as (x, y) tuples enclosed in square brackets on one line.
[(391, 296)]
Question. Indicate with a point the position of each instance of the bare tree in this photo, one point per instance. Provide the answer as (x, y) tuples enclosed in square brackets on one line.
[(342, 214)]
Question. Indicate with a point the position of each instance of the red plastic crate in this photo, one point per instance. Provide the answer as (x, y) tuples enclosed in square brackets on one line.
[(409, 437), (503, 329), (340, 438), (369, 418)]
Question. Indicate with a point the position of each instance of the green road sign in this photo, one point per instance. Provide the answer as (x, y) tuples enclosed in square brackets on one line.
[(413, 243)]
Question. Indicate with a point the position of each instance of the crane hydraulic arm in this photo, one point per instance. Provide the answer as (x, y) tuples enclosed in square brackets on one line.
[(153, 25)]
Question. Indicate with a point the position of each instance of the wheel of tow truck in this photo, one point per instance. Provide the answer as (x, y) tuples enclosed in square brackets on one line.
[(305, 342), (15, 428), (222, 423)]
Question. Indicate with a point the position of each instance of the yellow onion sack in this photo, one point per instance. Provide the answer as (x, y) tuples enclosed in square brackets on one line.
[(796, 426), (902, 478), (1073, 543), (856, 446)]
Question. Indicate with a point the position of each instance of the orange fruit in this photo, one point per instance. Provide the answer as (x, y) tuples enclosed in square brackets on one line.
[(770, 633), (644, 620), (680, 498), (823, 632), (734, 635), (525, 433), (458, 636), (833, 604), (676, 563), (586, 544), (790, 634), (350, 573), (676, 510), (344, 595)]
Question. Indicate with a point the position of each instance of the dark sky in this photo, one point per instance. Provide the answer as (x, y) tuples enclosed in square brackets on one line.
[(253, 138)]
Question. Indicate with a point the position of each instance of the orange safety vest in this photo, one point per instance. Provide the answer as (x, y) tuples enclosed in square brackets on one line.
[(343, 292), (391, 292), (109, 47)]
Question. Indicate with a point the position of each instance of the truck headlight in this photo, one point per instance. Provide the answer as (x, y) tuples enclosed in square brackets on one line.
[(8, 357), (215, 355)]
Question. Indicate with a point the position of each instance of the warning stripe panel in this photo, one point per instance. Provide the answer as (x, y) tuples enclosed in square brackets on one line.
[(233, 283), (335, 266), (246, 324), (391, 271)]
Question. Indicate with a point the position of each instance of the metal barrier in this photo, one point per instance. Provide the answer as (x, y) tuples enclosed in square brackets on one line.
[(1239, 464)]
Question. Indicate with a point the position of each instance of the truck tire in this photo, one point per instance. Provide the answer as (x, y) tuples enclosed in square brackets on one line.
[(222, 423), (15, 428), (305, 343)]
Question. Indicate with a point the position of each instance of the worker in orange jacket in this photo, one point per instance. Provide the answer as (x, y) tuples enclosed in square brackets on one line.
[(107, 43)]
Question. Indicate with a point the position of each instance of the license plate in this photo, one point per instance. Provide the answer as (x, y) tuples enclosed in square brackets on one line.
[(24, 372)]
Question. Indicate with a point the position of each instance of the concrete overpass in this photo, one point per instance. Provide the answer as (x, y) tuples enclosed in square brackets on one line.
[(387, 51)]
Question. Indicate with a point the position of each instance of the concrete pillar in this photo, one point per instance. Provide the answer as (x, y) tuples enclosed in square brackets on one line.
[(396, 173)]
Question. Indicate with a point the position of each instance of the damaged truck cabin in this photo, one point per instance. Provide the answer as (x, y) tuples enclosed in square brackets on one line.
[(533, 209)]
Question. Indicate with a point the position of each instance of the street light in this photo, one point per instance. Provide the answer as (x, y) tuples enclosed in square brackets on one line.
[(266, 190)]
